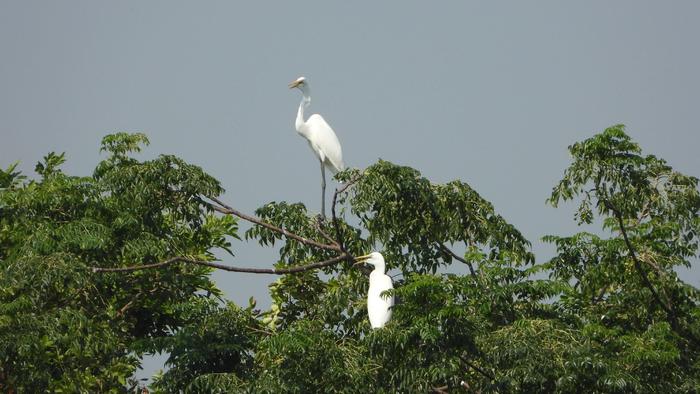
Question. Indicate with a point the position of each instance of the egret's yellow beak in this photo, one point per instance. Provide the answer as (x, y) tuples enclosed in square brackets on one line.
[(361, 259), (294, 84)]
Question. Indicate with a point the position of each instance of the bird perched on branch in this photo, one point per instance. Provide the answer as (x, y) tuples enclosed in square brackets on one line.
[(320, 136), (378, 305)]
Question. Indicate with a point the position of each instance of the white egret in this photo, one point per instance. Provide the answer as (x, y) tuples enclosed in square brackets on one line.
[(320, 136), (378, 305)]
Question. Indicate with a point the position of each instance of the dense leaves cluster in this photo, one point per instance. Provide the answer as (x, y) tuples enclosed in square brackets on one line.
[(64, 328), (607, 314)]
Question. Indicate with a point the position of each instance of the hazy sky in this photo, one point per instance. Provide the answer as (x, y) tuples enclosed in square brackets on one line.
[(488, 92)]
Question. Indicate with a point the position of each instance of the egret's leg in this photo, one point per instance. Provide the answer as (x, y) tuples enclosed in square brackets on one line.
[(323, 192)]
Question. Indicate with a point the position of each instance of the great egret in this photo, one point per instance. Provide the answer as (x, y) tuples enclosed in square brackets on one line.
[(320, 137), (378, 305)]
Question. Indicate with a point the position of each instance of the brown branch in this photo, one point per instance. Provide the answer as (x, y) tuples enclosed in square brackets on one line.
[(447, 250), (272, 271), (225, 209), (347, 184), (129, 304), (319, 225)]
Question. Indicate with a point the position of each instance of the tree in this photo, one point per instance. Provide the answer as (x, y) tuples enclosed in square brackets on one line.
[(63, 328), (126, 254)]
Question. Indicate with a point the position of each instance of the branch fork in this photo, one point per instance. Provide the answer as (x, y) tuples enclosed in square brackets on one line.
[(335, 245)]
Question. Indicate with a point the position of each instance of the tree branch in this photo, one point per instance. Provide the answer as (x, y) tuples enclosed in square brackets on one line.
[(319, 227), (477, 369), (225, 209), (447, 250), (271, 271), (336, 225), (129, 304), (667, 306), (637, 264), (601, 294)]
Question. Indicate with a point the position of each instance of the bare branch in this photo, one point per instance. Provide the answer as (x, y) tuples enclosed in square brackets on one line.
[(347, 184), (138, 267), (225, 209), (447, 250), (128, 305), (319, 227), (271, 271), (476, 368)]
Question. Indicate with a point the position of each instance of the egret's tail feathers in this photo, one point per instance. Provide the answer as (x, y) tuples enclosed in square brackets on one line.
[(335, 167)]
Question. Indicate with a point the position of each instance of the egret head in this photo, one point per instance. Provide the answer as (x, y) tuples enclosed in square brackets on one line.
[(375, 258), (299, 83)]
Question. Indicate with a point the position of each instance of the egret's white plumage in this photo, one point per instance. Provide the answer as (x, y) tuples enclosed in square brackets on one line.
[(320, 136), (378, 305)]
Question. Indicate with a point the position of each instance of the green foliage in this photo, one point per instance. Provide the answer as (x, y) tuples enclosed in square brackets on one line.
[(413, 219), (653, 212), (612, 316), (65, 328), (9, 177), (212, 350), (120, 145), (625, 297), (317, 337)]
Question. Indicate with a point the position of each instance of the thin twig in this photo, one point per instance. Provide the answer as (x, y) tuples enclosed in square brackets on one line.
[(456, 257), (225, 209), (336, 225), (601, 294), (268, 333), (319, 227), (667, 306), (272, 271), (638, 264), (477, 369), (129, 304)]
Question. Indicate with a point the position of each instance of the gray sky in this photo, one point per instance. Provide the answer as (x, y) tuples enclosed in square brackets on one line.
[(491, 93)]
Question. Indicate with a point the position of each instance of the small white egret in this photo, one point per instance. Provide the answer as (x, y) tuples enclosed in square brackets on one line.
[(320, 136), (378, 305)]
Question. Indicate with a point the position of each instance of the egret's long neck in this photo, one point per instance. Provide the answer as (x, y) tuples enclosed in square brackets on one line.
[(305, 102), (379, 267)]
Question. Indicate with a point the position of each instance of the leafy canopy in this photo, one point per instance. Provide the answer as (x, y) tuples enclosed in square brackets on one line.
[(607, 313)]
